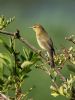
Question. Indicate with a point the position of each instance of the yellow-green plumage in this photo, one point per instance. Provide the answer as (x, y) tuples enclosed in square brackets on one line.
[(44, 41)]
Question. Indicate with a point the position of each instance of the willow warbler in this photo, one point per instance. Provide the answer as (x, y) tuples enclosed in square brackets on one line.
[(44, 42)]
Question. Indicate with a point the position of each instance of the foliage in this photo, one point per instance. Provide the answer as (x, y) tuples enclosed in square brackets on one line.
[(16, 73), (65, 89), (4, 22), (15, 66)]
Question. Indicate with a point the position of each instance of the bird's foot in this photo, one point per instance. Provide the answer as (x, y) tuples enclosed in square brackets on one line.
[(39, 52)]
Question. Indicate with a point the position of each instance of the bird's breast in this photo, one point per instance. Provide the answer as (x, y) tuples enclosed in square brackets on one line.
[(41, 43)]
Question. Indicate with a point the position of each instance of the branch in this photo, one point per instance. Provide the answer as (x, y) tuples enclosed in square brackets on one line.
[(17, 35), (23, 40), (28, 44), (6, 33), (59, 74), (70, 38)]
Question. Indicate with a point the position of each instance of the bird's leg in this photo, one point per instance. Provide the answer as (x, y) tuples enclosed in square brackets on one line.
[(39, 52)]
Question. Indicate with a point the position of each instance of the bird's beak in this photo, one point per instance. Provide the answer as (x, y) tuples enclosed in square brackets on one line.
[(30, 27)]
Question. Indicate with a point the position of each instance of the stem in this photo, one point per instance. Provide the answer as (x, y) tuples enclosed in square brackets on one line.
[(70, 39), (18, 91), (61, 76), (6, 33)]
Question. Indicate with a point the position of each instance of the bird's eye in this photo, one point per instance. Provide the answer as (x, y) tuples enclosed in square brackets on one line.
[(34, 26)]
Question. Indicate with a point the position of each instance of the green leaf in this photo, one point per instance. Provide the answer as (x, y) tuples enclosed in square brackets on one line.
[(26, 63), (0, 20), (54, 93), (1, 40), (4, 22), (71, 67), (1, 71), (5, 45), (5, 60), (30, 55), (53, 88), (26, 53), (24, 76), (73, 61), (61, 90), (22, 58), (5, 57)]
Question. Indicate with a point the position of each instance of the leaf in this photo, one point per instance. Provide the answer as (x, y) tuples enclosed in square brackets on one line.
[(5, 45), (61, 90), (26, 63), (22, 57), (4, 22), (73, 61), (54, 93), (1, 81), (0, 20), (24, 76), (71, 67), (1, 27), (26, 53), (5, 60), (70, 49), (53, 88), (1, 71), (5, 57), (1, 41), (30, 55)]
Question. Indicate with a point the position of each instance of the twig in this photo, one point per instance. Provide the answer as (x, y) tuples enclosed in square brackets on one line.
[(17, 35), (61, 76), (70, 38), (48, 72), (7, 33), (17, 81), (28, 44)]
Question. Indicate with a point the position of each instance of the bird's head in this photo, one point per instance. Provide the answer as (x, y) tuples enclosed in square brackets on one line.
[(37, 28)]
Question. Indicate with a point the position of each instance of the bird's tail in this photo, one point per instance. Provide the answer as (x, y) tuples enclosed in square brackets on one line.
[(51, 53)]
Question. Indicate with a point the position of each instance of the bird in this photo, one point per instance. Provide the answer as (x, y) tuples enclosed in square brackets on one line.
[(44, 42)]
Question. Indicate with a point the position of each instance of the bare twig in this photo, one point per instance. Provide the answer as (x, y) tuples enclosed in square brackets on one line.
[(17, 35), (71, 38), (6, 33), (28, 44)]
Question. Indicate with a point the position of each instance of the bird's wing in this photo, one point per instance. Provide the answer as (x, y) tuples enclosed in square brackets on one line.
[(51, 45)]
